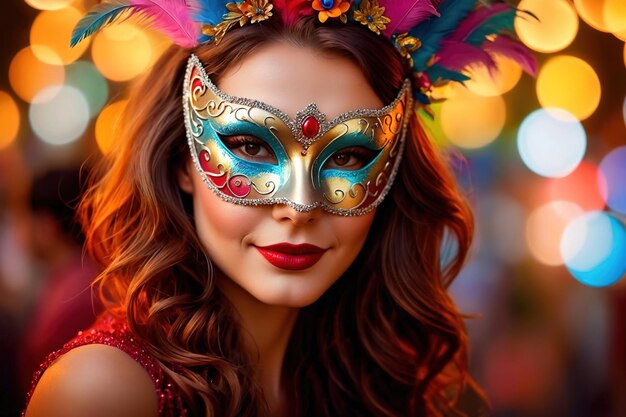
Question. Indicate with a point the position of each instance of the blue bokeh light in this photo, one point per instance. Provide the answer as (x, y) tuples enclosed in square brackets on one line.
[(551, 142), (613, 169), (85, 77), (594, 247)]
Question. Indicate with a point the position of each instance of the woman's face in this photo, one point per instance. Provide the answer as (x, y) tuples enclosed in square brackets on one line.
[(256, 247)]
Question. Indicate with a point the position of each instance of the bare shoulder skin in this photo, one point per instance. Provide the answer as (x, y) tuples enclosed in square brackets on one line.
[(94, 381)]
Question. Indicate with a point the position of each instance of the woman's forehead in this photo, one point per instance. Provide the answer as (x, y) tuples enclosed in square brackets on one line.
[(289, 78)]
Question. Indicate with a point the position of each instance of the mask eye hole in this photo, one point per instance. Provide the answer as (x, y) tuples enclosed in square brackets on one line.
[(250, 148), (350, 159)]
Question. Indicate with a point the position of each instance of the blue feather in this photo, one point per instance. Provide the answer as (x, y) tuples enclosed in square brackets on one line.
[(496, 24), (435, 29), (437, 74), (210, 11), (98, 17)]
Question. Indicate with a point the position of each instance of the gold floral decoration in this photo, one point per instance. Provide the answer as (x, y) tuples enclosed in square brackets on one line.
[(371, 14), (337, 9), (248, 10)]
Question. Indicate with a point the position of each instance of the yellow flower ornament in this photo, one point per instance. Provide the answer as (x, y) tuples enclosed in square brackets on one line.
[(371, 15)]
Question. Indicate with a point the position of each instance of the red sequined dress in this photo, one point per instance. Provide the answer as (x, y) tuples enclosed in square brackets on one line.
[(114, 332)]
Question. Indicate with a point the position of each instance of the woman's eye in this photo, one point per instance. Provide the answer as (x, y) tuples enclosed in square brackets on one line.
[(350, 159), (250, 148)]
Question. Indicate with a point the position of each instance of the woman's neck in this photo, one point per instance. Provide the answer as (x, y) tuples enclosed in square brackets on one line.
[(266, 330)]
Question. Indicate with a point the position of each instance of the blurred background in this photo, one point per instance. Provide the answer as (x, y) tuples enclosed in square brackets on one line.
[(543, 161)]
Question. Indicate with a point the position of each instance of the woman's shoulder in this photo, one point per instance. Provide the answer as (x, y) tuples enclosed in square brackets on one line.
[(94, 379), (105, 368)]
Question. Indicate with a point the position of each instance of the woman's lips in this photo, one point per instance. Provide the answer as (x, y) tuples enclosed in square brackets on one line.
[(291, 257)]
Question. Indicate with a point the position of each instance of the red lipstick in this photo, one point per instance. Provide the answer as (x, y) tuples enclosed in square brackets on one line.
[(291, 257)]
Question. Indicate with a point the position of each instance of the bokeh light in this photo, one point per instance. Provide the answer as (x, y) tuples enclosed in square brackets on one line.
[(544, 229), (49, 4), (51, 33), (593, 247), (9, 119), (28, 75), (613, 169), (554, 28), (586, 187), (592, 12), (107, 126), (484, 83), (475, 128), (122, 51), (59, 115), (614, 15), (569, 83), (551, 142), (85, 77)]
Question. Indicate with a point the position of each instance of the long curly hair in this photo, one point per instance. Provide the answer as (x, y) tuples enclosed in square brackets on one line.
[(385, 340)]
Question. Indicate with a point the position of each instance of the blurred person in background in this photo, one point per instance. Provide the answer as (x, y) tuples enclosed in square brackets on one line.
[(63, 304)]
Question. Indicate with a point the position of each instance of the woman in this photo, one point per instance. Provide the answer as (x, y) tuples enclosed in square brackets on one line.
[(283, 259)]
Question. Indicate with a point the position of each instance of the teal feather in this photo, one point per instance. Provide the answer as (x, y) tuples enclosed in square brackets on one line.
[(99, 17), (432, 31), (210, 11), (496, 24), (437, 73)]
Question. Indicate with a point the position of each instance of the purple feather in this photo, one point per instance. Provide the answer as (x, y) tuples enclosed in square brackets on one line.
[(170, 17), (504, 45), (477, 18), (457, 56), (406, 14)]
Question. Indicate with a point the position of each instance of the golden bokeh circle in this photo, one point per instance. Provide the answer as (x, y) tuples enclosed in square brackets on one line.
[(121, 52), (614, 16), (49, 4), (52, 31), (28, 75), (9, 119), (592, 12), (472, 121), (569, 83), (554, 28), (544, 228), (107, 125), (502, 80)]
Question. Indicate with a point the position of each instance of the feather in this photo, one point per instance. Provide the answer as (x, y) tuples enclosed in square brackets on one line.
[(484, 22), (508, 47), (406, 14), (432, 31), (100, 16), (456, 55), (292, 10), (439, 74), (170, 17), (209, 11)]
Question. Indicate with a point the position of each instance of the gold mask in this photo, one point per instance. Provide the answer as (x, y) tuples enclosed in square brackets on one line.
[(304, 167)]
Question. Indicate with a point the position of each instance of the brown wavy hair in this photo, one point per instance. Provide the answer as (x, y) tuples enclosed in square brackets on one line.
[(385, 340)]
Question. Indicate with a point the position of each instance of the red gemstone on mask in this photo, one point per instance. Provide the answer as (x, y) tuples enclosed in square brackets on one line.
[(310, 127)]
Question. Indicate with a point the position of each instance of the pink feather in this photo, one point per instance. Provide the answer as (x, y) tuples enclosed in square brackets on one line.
[(405, 14), (477, 18), (292, 10), (504, 45), (172, 18), (457, 56)]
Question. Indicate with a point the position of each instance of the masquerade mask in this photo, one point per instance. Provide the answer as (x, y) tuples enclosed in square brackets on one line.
[(251, 153)]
